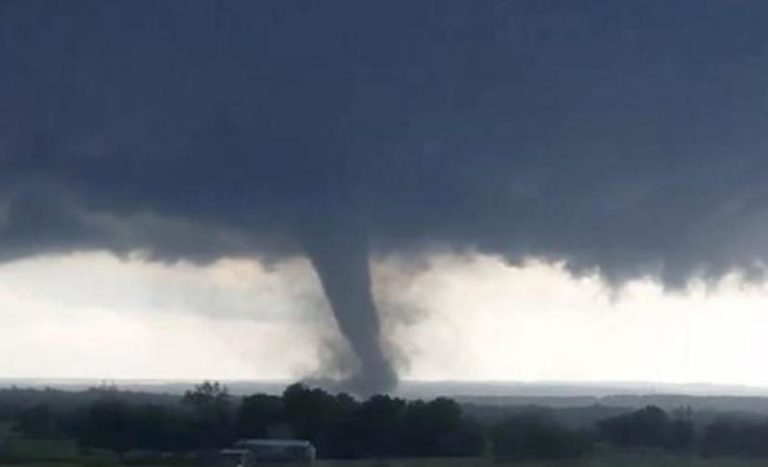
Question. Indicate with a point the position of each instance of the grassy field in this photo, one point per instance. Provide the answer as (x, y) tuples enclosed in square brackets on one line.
[(613, 461)]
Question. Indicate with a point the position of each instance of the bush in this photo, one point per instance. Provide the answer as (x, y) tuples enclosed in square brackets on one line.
[(649, 427), (735, 438), (532, 437)]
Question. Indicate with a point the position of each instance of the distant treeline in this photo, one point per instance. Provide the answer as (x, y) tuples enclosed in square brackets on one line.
[(208, 417), (340, 426)]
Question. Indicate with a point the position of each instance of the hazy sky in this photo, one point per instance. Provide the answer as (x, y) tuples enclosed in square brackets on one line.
[(525, 177), (456, 317)]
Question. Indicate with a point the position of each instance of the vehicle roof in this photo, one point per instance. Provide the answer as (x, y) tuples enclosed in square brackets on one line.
[(274, 442), (234, 451)]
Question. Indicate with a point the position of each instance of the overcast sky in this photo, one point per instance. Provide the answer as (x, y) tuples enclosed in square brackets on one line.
[(436, 188)]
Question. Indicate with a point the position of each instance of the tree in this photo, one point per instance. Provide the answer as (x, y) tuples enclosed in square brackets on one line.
[(735, 437), (158, 428), (377, 425), (535, 437), (38, 421), (680, 432), (108, 425), (207, 394), (437, 428), (310, 413), (258, 414), (211, 407), (647, 427)]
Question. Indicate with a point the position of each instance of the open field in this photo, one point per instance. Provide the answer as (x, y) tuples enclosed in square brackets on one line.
[(618, 461), (62, 453), (613, 461)]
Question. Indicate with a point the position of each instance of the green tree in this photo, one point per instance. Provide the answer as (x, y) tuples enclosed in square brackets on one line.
[(536, 437), (212, 419), (108, 424), (38, 421), (433, 428), (309, 412), (258, 414), (207, 394), (648, 427)]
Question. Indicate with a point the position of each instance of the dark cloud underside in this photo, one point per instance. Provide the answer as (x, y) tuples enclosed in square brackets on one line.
[(625, 136)]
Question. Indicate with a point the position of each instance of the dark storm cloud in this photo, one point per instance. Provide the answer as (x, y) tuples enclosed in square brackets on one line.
[(624, 136)]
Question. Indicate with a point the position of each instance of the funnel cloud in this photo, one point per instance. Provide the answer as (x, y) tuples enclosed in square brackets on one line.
[(621, 138), (340, 258)]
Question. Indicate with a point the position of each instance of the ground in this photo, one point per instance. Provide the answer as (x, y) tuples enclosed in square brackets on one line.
[(615, 461), (622, 461)]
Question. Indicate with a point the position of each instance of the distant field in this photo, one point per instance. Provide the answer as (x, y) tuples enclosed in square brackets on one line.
[(617, 461)]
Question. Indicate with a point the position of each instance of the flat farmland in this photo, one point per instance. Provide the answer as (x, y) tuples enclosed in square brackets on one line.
[(607, 461)]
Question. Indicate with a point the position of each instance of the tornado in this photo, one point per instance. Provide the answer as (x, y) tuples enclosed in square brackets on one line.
[(339, 254)]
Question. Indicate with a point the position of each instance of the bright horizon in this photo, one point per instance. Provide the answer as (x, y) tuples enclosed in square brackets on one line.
[(95, 316)]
